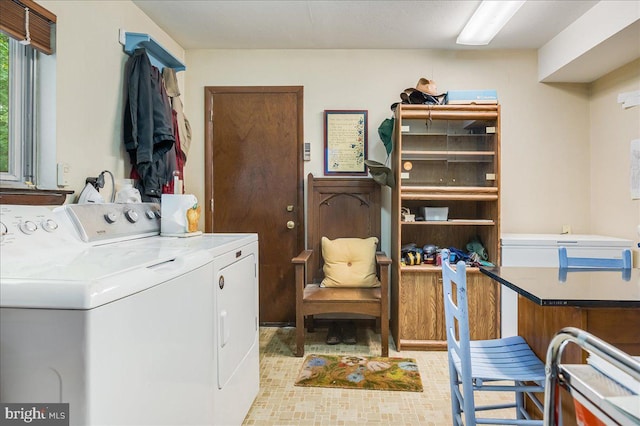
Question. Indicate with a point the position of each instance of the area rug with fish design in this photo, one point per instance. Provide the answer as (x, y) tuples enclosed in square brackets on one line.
[(360, 372)]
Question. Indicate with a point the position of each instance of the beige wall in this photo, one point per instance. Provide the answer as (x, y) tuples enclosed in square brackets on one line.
[(613, 212), (565, 147), (545, 128), (89, 68)]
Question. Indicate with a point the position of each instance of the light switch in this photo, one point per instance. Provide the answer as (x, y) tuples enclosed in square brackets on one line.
[(307, 152)]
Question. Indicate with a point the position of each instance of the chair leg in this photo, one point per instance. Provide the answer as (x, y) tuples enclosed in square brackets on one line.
[(456, 403), (519, 403), (310, 324), (299, 334), (384, 337)]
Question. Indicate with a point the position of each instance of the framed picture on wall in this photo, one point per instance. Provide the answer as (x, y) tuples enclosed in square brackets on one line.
[(345, 142)]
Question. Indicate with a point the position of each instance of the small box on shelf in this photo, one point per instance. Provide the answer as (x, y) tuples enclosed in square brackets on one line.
[(435, 213)]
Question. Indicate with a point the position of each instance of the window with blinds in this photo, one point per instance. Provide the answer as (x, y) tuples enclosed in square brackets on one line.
[(26, 30), (29, 23)]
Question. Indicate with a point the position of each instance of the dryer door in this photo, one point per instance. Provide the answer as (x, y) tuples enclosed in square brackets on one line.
[(236, 288)]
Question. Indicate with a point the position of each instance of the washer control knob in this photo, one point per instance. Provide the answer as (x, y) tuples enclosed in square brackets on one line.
[(150, 214), (3, 229), (111, 217), (131, 215), (28, 227), (49, 225)]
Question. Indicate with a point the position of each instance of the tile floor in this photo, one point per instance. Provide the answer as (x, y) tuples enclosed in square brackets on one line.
[(281, 403)]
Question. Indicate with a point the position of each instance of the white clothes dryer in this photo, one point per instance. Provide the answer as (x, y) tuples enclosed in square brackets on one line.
[(236, 329)]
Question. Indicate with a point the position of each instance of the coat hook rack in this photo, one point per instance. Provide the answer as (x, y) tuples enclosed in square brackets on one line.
[(158, 55)]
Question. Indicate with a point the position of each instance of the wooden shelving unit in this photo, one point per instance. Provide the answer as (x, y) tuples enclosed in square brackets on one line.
[(444, 156)]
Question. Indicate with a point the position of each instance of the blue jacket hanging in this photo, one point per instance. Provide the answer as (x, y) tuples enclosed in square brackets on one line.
[(147, 125)]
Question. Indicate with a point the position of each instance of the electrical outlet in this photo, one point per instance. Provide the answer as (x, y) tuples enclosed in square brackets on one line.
[(566, 229), (122, 36), (63, 174)]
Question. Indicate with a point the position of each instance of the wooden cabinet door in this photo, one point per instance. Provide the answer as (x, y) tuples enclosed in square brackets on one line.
[(421, 311), (421, 321)]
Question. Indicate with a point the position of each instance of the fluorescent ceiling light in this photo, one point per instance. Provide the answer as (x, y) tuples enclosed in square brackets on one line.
[(487, 21)]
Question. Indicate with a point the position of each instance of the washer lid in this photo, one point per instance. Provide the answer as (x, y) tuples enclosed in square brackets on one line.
[(567, 240), (92, 277), (215, 244)]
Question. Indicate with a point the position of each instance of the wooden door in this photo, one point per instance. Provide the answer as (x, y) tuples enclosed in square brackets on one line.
[(253, 174)]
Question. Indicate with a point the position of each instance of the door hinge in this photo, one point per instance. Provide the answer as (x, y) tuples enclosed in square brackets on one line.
[(211, 115), (211, 204)]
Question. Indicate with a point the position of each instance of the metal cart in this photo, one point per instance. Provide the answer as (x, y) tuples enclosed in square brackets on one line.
[(599, 393)]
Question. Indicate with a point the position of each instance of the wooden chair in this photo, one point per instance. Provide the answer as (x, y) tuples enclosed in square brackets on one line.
[(476, 365), (340, 208)]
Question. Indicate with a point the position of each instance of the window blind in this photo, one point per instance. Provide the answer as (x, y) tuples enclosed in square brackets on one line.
[(25, 20)]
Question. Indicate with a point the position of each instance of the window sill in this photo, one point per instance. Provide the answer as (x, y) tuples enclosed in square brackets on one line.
[(34, 197)]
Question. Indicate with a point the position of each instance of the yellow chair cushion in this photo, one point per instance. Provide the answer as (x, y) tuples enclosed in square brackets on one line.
[(350, 262)]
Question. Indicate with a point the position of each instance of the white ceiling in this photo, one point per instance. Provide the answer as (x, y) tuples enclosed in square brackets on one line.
[(351, 24)]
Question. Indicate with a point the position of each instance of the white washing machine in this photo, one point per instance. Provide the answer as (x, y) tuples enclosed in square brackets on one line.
[(541, 250), (126, 332)]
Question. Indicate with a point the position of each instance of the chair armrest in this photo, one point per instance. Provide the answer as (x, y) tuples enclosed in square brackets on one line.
[(300, 267), (384, 264), (382, 258), (303, 257)]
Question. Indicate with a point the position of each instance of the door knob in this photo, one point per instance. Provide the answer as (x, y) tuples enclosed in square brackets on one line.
[(291, 224)]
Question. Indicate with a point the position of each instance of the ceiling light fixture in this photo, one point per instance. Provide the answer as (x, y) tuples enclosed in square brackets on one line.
[(487, 21)]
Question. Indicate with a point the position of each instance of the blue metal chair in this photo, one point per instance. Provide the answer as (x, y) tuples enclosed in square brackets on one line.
[(594, 262), (477, 365)]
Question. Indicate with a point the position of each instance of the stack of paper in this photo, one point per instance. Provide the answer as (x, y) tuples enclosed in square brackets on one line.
[(614, 373), (629, 404)]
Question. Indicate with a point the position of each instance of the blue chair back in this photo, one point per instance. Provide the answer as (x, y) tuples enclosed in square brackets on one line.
[(458, 345), (503, 365), (594, 262)]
